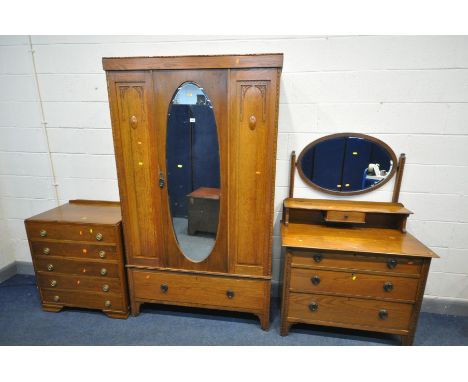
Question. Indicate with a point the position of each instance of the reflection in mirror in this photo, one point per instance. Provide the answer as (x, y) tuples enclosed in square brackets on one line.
[(193, 177), (344, 163)]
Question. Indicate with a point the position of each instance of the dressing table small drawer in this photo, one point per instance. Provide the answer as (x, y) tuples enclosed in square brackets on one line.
[(345, 217), (344, 311), (172, 287), (83, 283), (355, 284), (378, 263), (83, 299), (53, 265)]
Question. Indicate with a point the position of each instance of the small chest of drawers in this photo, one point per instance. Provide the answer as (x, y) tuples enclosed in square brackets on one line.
[(78, 257), (353, 266)]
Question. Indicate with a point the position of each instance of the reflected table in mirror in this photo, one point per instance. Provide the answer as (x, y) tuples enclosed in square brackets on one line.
[(203, 211)]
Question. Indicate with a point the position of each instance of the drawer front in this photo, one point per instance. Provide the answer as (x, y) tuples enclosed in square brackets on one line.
[(198, 289), (53, 265), (358, 261), (79, 283), (345, 217), (357, 284), (45, 249), (344, 310), (75, 232), (81, 299)]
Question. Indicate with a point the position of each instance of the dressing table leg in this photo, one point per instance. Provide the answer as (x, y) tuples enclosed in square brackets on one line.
[(135, 308), (407, 340), (264, 320), (285, 326), (52, 308)]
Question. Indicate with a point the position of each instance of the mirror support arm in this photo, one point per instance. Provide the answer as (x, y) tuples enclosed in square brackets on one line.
[(292, 173), (398, 178)]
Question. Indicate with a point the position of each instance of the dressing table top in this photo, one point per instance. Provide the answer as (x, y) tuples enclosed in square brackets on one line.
[(353, 239)]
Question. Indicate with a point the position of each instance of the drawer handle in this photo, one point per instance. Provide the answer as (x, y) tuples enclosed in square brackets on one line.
[(313, 307), (107, 304), (50, 267), (105, 288), (392, 263), (230, 293), (46, 251), (103, 271), (388, 286), (102, 254), (383, 314), (315, 280), (53, 283), (99, 236), (42, 233), (164, 288), (56, 298), (317, 258)]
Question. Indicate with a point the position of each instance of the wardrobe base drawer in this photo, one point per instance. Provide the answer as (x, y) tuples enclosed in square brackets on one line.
[(199, 290), (80, 299), (344, 311)]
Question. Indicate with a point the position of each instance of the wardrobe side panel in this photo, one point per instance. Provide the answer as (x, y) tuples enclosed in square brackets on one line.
[(130, 96), (253, 132)]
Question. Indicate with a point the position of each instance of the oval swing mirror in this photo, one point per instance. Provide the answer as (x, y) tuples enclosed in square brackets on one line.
[(347, 164), (193, 173)]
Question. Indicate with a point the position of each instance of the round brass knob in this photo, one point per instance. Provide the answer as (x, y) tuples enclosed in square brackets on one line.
[(315, 280), (383, 314), (103, 271), (388, 286), (317, 258), (50, 267), (164, 288), (102, 254), (56, 298), (105, 288), (42, 233), (230, 293), (313, 307), (46, 251), (99, 236), (53, 283), (108, 304), (392, 263)]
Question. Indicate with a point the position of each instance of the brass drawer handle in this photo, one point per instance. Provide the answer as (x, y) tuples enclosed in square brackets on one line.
[(50, 267), (103, 271), (315, 280), (317, 258), (42, 233), (164, 288), (388, 286), (99, 236), (105, 288), (53, 283), (56, 298), (313, 307), (392, 263), (383, 314), (230, 293), (46, 251), (102, 254), (107, 304)]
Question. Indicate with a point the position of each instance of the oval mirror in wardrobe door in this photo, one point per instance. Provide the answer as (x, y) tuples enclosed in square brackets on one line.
[(193, 172)]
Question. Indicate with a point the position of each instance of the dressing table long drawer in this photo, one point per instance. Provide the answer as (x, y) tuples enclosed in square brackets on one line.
[(84, 251), (55, 265), (343, 311), (353, 283), (358, 261), (193, 289), (75, 232), (74, 282), (91, 300)]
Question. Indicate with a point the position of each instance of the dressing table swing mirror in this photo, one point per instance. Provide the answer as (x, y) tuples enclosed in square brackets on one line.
[(351, 264)]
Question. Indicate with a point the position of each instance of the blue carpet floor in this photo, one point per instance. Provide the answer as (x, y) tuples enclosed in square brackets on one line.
[(22, 322)]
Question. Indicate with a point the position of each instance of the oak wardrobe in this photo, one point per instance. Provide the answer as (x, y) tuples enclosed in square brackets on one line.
[(195, 146)]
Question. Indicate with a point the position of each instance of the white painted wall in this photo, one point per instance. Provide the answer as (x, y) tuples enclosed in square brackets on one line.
[(411, 92)]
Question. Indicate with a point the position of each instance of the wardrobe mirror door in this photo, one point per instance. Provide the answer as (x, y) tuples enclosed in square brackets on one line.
[(193, 172)]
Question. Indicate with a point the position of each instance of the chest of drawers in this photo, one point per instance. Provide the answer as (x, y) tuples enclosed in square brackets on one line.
[(78, 256), (352, 265)]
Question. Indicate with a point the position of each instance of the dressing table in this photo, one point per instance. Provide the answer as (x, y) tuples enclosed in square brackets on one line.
[(351, 264)]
